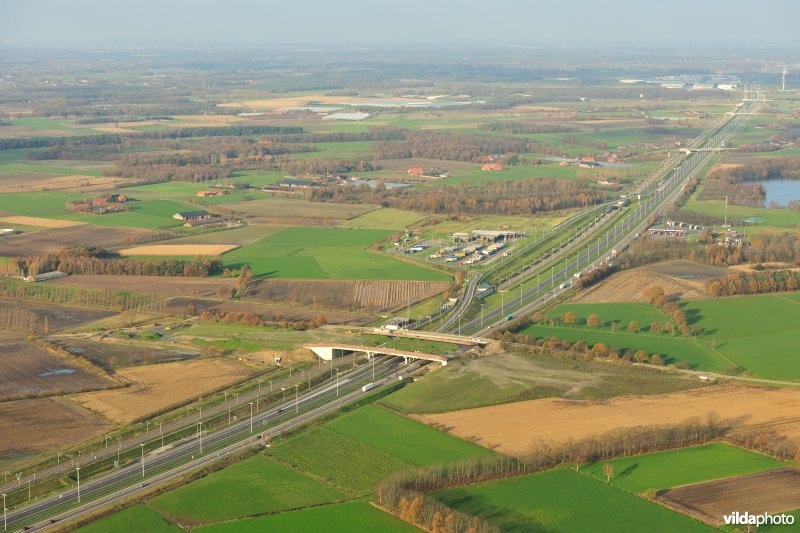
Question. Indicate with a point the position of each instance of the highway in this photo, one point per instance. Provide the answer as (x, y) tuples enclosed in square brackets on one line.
[(168, 428), (655, 195), (179, 459)]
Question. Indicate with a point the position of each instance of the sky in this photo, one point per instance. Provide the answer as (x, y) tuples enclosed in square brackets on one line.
[(375, 22)]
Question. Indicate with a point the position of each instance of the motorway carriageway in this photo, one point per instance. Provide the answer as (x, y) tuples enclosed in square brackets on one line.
[(185, 457)]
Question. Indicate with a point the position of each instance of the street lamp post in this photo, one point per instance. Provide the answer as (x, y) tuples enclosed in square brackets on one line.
[(200, 432), (296, 402), (251, 417), (119, 446), (337, 382), (161, 432), (78, 474), (142, 445), (5, 521)]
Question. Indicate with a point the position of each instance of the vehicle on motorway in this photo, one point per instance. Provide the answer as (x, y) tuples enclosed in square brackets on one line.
[(368, 387)]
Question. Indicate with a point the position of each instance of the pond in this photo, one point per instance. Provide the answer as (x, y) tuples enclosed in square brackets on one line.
[(781, 191)]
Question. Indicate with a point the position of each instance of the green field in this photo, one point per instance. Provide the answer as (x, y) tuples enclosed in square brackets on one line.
[(673, 468), (759, 333), (502, 378), (253, 486), (775, 218), (326, 253), (357, 466), (353, 517), (152, 214), (140, 516), (402, 437), (384, 218), (563, 500), (621, 313), (674, 349)]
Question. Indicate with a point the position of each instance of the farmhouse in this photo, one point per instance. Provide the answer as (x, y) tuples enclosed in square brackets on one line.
[(194, 216), (298, 184), (415, 171), (209, 193)]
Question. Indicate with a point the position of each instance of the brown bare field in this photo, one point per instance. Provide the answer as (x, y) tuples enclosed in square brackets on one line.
[(44, 424), (180, 249), (515, 428), (180, 305), (59, 317), (679, 279), (27, 370), (347, 295), (302, 101), (770, 492), (156, 387), (274, 209), (172, 286), (39, 181), (112, 352), (40, 222), (44, 242)]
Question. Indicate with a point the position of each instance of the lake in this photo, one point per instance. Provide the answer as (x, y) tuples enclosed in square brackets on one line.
[(781, 191)]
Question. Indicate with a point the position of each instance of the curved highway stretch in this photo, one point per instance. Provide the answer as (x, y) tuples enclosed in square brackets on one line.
[(655, 196)]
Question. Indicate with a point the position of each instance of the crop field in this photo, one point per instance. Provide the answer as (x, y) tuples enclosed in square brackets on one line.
[(156, 387), (384, 218), (630, 286), (694, 354), (514, 428), (39, 221), (145, 518), (355, 517), (59, 317), (351, 295), (44, 424), (52, 240), (166, 285), (254, 486), (683, 466), (759, 333), (179, 304), (771, 492), (179, 249), (320, 253), (404, 438), (563, 500), (29, 371), (113, 352), (296, 212), (238, 236), (502, 378), (357, 465)]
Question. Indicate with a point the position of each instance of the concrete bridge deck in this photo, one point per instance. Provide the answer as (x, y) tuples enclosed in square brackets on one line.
[(331, 351)]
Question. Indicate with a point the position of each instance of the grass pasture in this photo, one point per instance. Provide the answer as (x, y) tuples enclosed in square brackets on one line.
[(254, 486), (683, 466), (339, 459), (403, 438), (621, 313), (384, 218), (563, 500), (326, 253), (353, 517), (759, 333), (144, 518)]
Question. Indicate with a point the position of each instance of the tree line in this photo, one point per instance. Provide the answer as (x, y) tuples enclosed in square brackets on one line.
[(526, 126), (449, 146), (93, 260), (754, 283), (507, 197)]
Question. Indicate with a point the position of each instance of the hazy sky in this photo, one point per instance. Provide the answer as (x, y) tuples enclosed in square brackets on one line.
[(475, 22)]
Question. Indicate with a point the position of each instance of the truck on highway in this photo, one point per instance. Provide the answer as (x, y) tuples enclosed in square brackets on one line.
[(368, 387)]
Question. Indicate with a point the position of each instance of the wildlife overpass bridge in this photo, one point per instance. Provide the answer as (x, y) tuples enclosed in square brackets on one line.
[(332, 351)]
